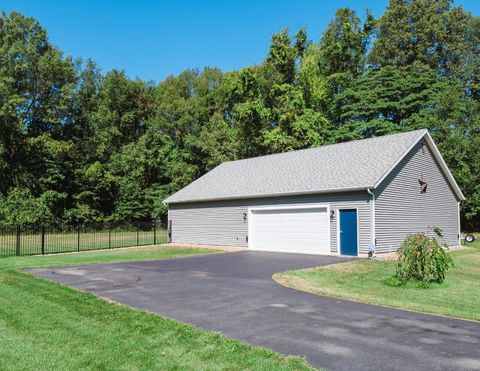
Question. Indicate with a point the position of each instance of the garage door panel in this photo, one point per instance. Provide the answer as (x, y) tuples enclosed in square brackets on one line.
[(291, 230)]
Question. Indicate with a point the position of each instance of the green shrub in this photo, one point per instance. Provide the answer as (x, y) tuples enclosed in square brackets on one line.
[(423, 258)]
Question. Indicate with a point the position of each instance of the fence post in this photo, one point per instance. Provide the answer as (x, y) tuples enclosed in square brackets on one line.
[(78, 239), (17, 243), (138, 229), (109, 235), (154, 233), (43, 240)]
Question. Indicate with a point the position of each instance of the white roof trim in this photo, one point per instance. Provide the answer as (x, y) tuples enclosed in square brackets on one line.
[(436, 153), (444, 166), (319, 191), (414, 143)]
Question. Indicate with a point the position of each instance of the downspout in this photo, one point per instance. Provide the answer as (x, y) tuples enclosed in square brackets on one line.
[(371, 248), (459, 225)]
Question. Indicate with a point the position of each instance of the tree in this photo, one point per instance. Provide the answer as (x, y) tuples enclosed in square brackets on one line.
[(283, 55), (246, 110), (81, 145), (39, 77), (21, 208), (35, 85), (124, 107), (343, 48), (428, 32)]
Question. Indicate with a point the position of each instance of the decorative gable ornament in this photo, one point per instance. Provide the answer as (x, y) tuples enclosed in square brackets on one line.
[(423, 184)]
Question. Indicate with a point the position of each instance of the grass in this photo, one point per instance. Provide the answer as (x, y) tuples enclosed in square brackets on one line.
[(67, 241), (44, 325), (364, 281)]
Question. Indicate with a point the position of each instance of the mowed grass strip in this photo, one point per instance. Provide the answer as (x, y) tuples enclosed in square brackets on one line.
[(364, 281), (100, 257), (44, 325)]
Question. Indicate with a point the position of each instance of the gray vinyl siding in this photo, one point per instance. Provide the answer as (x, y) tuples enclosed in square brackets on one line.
[(402, 209), (221, 222)]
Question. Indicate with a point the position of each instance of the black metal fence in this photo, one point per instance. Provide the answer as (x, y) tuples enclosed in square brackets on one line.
[(48, 240)]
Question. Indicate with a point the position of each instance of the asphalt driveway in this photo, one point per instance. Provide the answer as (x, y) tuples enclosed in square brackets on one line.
[(233, 293)]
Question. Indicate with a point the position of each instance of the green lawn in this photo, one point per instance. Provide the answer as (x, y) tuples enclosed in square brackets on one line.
[(364, 281), (44, 325)]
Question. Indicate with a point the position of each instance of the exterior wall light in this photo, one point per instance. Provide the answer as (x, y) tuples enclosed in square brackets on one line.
[(245, 216)]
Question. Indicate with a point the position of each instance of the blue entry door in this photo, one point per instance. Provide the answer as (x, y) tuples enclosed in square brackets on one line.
[(348, 232)]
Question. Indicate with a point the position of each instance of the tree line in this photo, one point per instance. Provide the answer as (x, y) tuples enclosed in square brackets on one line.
[(81, 145)]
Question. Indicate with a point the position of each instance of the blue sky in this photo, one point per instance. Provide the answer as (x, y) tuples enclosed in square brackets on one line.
[(153, 39)]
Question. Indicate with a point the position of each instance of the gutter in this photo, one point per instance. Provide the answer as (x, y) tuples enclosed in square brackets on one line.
[(269, 195)]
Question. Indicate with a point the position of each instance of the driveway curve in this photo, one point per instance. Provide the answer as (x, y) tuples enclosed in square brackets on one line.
[(234, 293)]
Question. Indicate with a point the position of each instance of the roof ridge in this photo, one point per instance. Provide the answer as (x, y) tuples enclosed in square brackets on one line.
[(326, 146)]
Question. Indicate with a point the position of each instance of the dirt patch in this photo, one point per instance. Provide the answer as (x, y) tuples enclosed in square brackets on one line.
[(343, 267), (386, 256), (292, 281), (394, 256), (198, 246), (301, 284)]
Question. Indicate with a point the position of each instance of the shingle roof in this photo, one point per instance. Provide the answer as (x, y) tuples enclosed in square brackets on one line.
[(355, 165)]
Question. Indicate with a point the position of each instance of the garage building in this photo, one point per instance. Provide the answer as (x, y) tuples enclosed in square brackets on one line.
[(337, 199)]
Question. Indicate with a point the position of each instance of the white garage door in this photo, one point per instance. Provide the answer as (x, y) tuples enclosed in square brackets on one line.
[(302, 230)]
